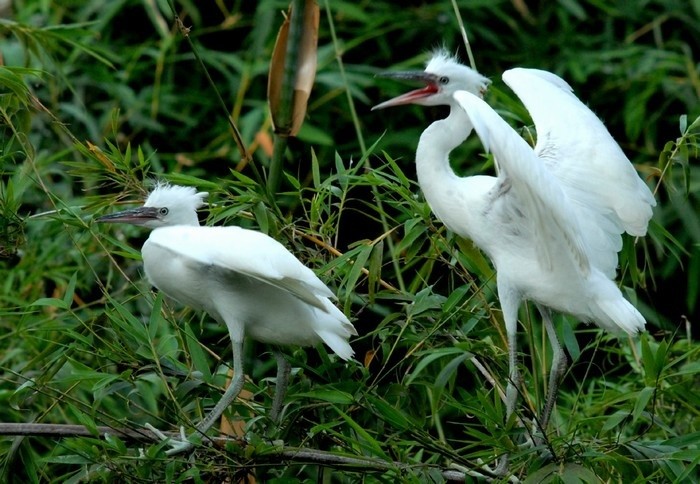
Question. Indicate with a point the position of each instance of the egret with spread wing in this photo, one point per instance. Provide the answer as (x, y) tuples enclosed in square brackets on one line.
[(242, 278), (551, 220)]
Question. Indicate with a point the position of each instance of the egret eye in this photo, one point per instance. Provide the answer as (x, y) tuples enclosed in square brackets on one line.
[(444, 80), (163, 211)]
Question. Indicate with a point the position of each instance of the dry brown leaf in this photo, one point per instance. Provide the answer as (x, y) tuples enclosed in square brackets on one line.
[(305, 72), (100, 156), (264, 140)]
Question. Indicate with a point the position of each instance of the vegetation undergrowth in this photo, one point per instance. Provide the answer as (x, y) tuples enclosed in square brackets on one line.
[(100, 99)]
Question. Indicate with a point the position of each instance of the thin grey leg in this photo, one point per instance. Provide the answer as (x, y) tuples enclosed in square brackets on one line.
[(283, 370), (559, 365), (231, 392), (510, 300), (184, 444)]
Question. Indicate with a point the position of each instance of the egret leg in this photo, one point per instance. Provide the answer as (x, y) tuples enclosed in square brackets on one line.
[(559, 365), (283, 370), (510, 315), (179, 446), (231, 392), (510, 301), (511, 388), (513, 375)]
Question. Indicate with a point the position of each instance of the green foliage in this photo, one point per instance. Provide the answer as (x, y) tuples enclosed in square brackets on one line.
[(97, 99)]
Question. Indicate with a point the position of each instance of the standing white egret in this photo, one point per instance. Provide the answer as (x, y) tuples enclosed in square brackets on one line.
[(551, 220), (242, 278)]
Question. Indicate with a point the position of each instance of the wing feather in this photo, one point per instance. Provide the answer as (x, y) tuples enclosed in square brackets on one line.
[(607, 195), (247, 252), (538, 193)]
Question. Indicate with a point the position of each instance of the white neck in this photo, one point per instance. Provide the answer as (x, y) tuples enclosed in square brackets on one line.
[(434, 147)]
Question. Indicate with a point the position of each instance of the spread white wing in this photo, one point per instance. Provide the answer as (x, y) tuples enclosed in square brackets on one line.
[(536, 192), (605, 192)]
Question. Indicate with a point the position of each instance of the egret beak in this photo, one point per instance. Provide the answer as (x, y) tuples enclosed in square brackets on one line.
[(431, 87), (136, 216)]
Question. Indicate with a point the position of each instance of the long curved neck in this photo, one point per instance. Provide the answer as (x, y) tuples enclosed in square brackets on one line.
[(434, 147), (445, 192)]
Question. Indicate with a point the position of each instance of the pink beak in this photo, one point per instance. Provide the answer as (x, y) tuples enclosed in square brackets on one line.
[(431, 87)]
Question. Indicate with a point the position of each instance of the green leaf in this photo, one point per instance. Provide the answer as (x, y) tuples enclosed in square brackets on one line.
[(570, 341), (87, 422), (315, 169), (131, 326), (614, 420), (364, 439), (50, 302), (455, 298), (156, 318), (11, 79), (332, 396), (391, 414), (313, 135), (429, 358), (450, 369), (116, 443), (261, 217), (425, 300), (375, 269), (199, 359), (648, 361), (641, 402), (73, 459), (70, 290), (361, 256), (405, 182)]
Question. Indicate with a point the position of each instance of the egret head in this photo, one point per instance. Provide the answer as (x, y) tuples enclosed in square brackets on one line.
[(443, 76), (166, 205)]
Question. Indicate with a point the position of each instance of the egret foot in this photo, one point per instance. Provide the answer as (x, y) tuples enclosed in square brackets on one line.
[(178, 446), (502, 467)]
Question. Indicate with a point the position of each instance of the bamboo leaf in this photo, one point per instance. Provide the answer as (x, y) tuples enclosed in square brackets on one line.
[(642, 401), (364, 440), (327, 395), (196, 353)]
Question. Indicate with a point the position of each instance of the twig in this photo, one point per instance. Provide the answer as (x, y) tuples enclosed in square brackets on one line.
[(363, 148), (293, 454), (185, 31), (468, 46), (69, 430), (338, 253)]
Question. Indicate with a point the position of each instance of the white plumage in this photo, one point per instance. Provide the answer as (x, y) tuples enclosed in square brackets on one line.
[(242, 278), (249, 279), (551, 220)]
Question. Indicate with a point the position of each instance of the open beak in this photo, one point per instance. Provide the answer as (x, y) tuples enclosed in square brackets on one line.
[(136, 216), (431, 87)]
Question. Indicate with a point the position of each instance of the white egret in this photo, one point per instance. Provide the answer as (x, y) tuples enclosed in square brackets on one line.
[(551, 220), (242, 278)]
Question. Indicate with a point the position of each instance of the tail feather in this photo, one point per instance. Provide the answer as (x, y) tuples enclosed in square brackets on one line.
[(337, 343), (335, 330), (618, 314)]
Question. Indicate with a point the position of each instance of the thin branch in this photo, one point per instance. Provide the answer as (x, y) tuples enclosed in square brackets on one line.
[(468, 46), (363, 148), (338, 253), (293, 454), (185, 31), (69, 430)]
